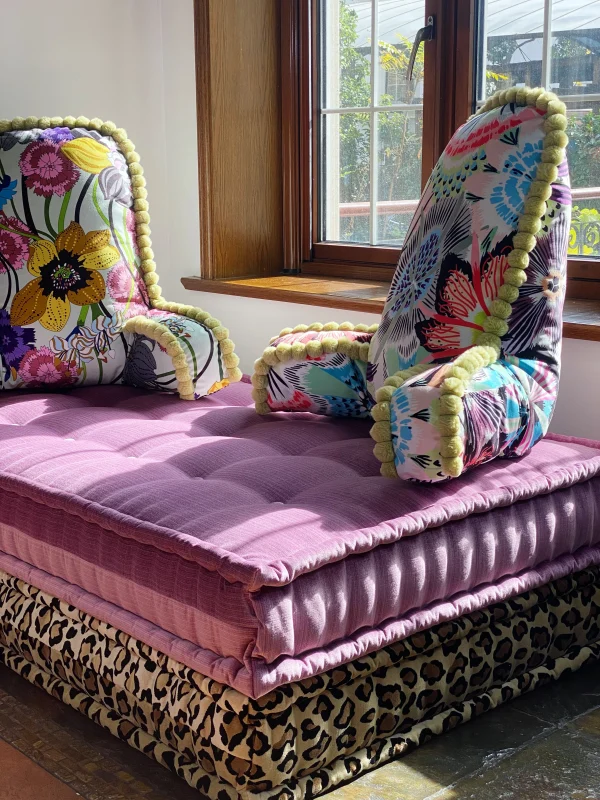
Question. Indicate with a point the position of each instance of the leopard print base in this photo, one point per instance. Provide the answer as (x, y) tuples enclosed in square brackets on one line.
[(304, 738)]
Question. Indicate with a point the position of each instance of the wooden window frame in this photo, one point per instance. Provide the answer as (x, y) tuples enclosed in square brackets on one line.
[(445, 107), (443, 110), (256, 223)]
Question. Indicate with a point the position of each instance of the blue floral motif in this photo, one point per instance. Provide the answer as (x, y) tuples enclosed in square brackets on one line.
[(15, 342), (449, 175), (418, 274), (508, 196), (401, 427), (57, 135), (8, 189)]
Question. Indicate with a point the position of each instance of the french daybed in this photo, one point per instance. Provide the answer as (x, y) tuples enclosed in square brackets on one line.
[(245, 598)]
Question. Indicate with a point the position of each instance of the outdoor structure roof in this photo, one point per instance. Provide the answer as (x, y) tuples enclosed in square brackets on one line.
[(503, 17)]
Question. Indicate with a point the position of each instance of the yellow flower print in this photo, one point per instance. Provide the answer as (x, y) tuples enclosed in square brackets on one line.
[(218, 385), (87, 154), (66, 271)]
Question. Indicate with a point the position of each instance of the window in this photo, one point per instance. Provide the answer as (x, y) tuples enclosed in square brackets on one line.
[(332, 144), (375, 133), (370, 119), (555, 43), (370, 133)]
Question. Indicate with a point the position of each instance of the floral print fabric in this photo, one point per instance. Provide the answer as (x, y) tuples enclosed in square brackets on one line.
[(448, 280), (455, 253), (437, 304), (70, 271), (332, 383), (150, 367), (506, 410)]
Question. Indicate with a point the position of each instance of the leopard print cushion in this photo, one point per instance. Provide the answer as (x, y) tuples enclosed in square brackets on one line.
[(302, 738)]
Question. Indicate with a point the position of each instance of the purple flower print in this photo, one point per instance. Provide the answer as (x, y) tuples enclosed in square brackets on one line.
[(57, 135), (15, 342)]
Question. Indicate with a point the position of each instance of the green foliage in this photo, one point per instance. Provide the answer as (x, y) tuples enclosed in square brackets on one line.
[(567, 47), (355, 88), (400, 133), (584, 237), (355, 91), (584, 149)]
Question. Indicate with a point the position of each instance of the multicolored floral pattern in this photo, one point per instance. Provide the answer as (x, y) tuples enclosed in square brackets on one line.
[(203, 356), (488, 168), (46, 169), (464, 294), (15, 343), (71, 271), (477, 294), (506, 410), (331, 383), (42, 367), (14, 243), (501, 150)]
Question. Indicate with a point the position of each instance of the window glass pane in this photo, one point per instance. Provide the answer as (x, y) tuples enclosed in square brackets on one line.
[(370, 163), (346, 53), (584, 165), (520, 46), (513, 44), (399, 133), (346, 177), (397, 24), (399, 165), (575, 48)]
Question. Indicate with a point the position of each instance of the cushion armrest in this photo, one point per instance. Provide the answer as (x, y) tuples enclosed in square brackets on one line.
[(189, 353), (317, 368), (434, 422)]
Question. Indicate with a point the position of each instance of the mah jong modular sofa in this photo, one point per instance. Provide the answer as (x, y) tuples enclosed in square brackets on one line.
[(245, 599), (464, 364)]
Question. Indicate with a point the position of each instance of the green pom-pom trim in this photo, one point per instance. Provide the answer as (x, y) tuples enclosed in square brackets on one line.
[(508, 293), (498, 327), (381, 432), (328, 326), (540, 190), (451, 406), (381, 412), (501, 309), (490, 340), (515, 277)]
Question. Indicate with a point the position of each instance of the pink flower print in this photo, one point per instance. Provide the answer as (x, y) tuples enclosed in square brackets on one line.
[(127, 290), (299, 401), (130, 223), (47, 171), (42, 367), (13, 247)]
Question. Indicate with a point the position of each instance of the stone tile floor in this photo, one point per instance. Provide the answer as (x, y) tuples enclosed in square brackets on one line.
[(543, 746)]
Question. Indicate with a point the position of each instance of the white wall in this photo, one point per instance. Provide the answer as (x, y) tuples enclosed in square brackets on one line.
[(578, 410), (132, 61)]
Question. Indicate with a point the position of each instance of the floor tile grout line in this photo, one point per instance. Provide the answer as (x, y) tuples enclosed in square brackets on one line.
[(512, 751)]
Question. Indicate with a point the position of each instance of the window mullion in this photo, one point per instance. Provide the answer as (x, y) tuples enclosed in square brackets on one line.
[(374, 172), (547, 45)]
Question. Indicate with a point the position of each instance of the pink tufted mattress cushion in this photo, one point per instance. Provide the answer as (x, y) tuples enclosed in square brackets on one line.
[(260, 550)]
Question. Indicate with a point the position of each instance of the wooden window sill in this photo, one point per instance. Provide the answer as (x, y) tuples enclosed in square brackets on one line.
[(581, 317)]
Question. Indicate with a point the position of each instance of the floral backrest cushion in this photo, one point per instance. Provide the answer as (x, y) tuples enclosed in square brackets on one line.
[(491, 208), (72, 203)]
